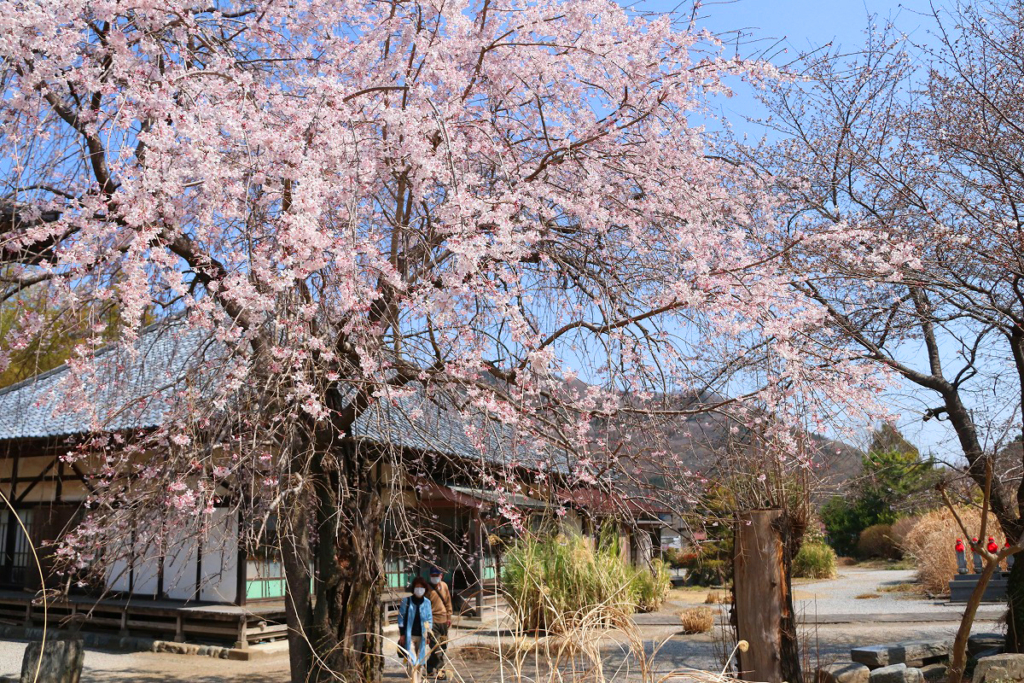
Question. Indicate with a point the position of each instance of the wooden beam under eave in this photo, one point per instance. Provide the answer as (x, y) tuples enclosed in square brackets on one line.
[(35, 481)]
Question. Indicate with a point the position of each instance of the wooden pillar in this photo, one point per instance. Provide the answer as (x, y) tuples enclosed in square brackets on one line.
[(763, 600), (243, 638), (241, 565), (479, 569)]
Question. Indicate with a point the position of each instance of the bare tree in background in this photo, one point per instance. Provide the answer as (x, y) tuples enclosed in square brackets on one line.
[(919, 148)]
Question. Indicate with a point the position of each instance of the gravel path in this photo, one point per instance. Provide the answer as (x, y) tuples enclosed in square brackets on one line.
[(839, 596)]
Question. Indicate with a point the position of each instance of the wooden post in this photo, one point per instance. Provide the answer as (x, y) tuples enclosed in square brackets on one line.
[(762, 598), (479, 562)]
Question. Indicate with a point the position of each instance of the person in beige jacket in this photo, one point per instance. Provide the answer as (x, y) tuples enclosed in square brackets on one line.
[(441, 604)]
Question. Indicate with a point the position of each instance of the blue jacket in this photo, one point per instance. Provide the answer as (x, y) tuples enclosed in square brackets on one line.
[(405, 619)]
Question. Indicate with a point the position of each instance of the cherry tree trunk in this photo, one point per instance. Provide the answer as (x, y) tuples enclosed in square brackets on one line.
[(762, 597), (337, 635), (1015, 606)]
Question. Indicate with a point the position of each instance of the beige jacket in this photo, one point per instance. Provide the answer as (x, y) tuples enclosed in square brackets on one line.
[(441, 602)]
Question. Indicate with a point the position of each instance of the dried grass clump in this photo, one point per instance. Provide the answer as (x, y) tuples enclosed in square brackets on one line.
[(697, 620), (901, 529), (877, 541), (930, 543), (718, 597)]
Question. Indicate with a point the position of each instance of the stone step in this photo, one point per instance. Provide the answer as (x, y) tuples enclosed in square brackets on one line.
[(915, 652), (981, 642)]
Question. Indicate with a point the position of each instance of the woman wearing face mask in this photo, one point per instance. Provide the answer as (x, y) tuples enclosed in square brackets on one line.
[(415, 619)]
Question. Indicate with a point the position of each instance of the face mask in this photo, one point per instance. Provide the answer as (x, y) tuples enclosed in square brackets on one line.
[(418, 591), (435, 580)]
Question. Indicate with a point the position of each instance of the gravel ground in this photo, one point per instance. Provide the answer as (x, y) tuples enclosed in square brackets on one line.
[(839, 596), (122, 667), (823, 641), (671, 652), (668, 651)]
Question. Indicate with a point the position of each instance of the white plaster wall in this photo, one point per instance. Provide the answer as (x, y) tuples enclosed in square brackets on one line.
[(119, 576), (220, 558), (180, 565), (147, 575)]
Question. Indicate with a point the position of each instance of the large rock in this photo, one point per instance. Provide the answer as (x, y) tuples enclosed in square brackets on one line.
[(61, 662), (844, 672), (980, 642), (913, 652), (896, 673), (1007, 667)]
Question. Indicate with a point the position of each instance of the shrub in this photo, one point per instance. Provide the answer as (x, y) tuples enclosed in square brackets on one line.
[(815, 560), (555, 581), (697, 620), (877, 541), (680, 558), (930, 543), (705, 570), (651, 587)]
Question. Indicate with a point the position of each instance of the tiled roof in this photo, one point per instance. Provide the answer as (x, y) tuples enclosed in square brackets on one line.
[(137, 392), (123, 392), (416, 422)]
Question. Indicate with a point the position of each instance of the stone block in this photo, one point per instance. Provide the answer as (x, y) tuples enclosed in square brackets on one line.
[(1005, 667), (934, 673), (844, 672), (894, 673), (62, 660), (911, 652), (913, 675), (962, 586), (980, 642)]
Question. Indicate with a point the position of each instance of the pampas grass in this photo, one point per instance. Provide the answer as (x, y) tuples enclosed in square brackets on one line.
[(554, 581), (815, 560), (931, 545)]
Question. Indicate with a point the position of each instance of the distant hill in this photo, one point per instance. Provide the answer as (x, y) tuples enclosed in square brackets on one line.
[(651, 451)]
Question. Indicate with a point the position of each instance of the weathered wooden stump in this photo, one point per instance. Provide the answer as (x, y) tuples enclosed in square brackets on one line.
[(763, 597), (62, 660)]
